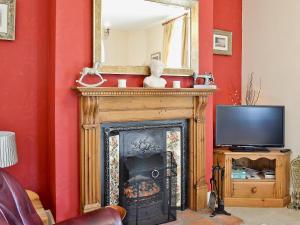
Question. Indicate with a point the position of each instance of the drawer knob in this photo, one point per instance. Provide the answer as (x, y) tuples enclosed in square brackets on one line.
[(254, 190)]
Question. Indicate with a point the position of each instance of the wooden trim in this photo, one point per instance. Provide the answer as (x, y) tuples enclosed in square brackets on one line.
[(199, 160), (112, 91), (99, 105)]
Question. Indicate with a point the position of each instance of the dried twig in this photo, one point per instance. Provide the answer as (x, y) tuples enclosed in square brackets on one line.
[(252, 95)]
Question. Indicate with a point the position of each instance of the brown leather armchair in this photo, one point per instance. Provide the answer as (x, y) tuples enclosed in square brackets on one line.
[(16, 208)]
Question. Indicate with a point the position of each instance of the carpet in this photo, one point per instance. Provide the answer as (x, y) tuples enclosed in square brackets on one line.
[(202, 217), (267, 216)]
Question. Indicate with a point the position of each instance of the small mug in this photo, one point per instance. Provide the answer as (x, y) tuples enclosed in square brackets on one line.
[(122, 83), (176, 84)]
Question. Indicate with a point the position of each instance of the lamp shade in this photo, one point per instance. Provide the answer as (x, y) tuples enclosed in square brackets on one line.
[(8, 149)]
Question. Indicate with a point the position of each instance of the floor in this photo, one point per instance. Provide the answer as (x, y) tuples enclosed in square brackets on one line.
[(189, 217), (247, 216), (267, 216)]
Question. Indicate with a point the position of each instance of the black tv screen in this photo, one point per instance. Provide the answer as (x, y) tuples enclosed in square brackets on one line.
[(258, 126)]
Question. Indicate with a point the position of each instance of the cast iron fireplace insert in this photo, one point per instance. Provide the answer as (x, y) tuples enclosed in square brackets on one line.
[(149, 189), (123, 142)]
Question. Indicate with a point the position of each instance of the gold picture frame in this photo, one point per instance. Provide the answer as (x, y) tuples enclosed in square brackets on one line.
[(7, 19), (144, 70), (222, 42)]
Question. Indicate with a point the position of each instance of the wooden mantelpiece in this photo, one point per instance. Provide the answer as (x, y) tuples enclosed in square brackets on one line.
[(102, 105), (99, 92)]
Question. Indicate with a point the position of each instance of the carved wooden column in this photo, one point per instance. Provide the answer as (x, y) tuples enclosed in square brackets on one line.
[(199, 184), (90, 153)]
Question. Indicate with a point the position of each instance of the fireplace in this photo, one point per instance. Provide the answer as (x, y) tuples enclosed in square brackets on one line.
[(149, 189), (122, 140), (145, 168), (99, 106)]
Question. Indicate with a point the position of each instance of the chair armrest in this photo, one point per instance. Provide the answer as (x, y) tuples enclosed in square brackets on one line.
[(103, 216), (38, 206)]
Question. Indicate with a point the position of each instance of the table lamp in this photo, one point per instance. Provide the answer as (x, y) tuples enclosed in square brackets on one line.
[(8, 149)]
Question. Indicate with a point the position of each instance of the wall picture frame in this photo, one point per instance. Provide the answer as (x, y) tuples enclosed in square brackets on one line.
[(222, 42), (7, 19), (156, 55)]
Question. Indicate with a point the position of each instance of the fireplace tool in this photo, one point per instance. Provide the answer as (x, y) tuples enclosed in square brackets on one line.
[(216, 200)]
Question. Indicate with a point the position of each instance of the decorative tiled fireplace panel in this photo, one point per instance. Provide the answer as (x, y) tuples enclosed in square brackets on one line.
[(114, 168), (131, 139), (174, 146)]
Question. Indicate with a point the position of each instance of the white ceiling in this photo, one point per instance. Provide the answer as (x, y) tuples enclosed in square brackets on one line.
[(137, 14)]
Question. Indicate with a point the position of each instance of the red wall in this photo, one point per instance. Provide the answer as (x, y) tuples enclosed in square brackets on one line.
[(72, 52), (38, 70), (206, 65), (227, 69), (23, 95)]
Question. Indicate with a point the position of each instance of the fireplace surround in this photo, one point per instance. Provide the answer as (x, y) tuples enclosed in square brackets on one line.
[(114, 105)]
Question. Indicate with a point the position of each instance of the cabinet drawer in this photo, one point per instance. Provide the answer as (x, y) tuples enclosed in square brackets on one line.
[(253, 189)]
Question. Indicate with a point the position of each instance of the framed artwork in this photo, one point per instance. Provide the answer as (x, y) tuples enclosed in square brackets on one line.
[(156, 55), (7, 19), (222, 44)]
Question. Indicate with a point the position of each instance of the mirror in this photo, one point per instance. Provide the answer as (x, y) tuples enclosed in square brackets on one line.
[(128, 34)]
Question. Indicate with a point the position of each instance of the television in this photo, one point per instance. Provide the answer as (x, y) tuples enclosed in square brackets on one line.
[(250, 128)]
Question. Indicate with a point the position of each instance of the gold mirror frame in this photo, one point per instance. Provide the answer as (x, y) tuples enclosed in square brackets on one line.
[(144, 70)]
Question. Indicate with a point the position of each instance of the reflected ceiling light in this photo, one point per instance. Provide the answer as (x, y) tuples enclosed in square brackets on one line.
[(106, 30)]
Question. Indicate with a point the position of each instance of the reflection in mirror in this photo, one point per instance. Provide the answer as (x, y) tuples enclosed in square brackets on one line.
[(136, 31)]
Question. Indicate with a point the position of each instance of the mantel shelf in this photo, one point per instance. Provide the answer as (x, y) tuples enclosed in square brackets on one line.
[(138, 91)]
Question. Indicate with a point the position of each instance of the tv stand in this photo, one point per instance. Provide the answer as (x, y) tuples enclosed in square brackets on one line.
[(259, 191), (248, 149)]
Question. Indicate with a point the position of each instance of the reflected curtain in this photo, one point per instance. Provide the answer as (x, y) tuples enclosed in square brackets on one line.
[(185, 42), (102, 51), (168, 30)]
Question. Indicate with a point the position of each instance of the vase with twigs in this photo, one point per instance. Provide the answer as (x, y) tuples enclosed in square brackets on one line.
[(252, 95)]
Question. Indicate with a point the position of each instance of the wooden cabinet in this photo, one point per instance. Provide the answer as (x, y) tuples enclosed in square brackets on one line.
[(256, 192)]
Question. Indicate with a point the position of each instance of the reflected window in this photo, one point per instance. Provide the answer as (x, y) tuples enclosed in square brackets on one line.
[(178, 51), (133, 36), (175, 54)]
